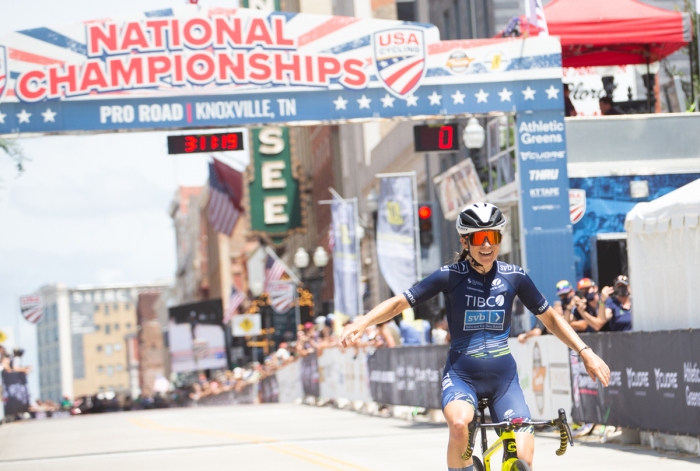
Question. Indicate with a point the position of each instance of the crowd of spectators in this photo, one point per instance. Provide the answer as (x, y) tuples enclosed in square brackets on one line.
[(11, 361), (588, 309)]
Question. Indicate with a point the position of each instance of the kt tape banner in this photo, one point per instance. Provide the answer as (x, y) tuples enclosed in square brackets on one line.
[(654, 383), (408, 376)]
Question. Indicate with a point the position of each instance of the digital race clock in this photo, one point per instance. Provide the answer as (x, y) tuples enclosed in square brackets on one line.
[(196, 143), (436, 138)]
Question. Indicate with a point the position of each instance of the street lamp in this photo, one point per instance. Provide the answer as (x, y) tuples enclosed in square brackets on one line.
[(474, 134), (301, 258), (320, 257)]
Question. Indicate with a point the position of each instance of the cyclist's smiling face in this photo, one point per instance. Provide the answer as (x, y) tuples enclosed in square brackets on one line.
[(485, 254)]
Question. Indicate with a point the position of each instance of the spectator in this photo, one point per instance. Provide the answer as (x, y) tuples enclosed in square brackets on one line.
[(569, 108), (607, 107), (441, 334), (586, 303), (614, 313), (414, 333), (565, 292)]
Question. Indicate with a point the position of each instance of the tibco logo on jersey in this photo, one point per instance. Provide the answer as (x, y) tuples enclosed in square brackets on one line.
[(496, 283)]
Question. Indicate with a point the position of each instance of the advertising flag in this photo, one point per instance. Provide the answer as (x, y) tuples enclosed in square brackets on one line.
[(396, 235), (281, 295), (345, 258), (32, 307)]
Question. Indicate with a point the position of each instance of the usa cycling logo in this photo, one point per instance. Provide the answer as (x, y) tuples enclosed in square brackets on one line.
[(3, 72), (399, 54)]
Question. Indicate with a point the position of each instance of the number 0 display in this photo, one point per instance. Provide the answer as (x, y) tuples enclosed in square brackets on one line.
[(436, 138)]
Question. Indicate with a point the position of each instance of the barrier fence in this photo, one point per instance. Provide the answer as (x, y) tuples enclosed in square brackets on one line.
[(15, 393), (654, 385)]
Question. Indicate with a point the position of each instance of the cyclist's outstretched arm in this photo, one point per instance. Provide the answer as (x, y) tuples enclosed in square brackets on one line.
[(595, 366), (384, 311)]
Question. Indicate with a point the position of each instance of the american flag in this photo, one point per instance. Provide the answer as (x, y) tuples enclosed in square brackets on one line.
[(274, 269), (32, 308), (534, 12), (233, 302), (223, 212), (281, 295)]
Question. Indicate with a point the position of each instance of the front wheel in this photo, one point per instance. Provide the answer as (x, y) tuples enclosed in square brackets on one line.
[(519, 465), (478, 465)]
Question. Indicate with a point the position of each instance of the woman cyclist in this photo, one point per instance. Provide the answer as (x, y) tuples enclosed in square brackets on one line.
[(479, 293)]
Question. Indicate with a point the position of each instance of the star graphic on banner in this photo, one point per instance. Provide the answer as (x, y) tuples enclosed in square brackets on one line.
[(364, 102), (458, 97), (482, 96), (552, 92), (529, 93), (2, 117), (505, 94), (383, 63), (340, 103), (49, 115), (24, 116), (388, 100), (434, 98), (411, 100)]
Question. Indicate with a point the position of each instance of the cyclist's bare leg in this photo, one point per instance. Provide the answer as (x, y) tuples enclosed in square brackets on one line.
[(458, 415), (526, 446)]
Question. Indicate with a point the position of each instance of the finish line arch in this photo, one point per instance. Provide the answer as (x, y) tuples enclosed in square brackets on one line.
[(191, 68)]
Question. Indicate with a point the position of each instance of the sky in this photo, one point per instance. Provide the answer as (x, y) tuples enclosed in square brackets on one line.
[(87, 209)]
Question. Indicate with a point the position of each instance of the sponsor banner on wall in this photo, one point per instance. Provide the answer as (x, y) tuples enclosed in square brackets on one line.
[(289, 382), (246, 395), (544, 193), (396, 233), (409, 376), (654, 382), (197, 66), (543, 369), (15, 393), (344, 374), (196, 336), (268, 390), (309, 375), (345, 258)]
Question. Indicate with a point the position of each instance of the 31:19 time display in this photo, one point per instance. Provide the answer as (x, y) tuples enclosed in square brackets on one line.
[(197, 143)]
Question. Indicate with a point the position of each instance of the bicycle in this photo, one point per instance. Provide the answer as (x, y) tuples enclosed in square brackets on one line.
[(506, 440)]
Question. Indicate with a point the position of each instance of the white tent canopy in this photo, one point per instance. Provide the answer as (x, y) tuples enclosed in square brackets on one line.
[(663, 245)]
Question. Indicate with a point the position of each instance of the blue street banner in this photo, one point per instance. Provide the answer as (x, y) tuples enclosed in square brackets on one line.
[(196, 66), (544, 197), (346, 296), (396, 233)]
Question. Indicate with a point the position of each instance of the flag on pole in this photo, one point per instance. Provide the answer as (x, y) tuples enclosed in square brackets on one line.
[(281, 295), (234, 301), (32, 307), (223, 212), (534, 13), (274, 269)]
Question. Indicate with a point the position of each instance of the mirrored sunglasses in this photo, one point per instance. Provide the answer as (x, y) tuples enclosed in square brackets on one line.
[(478, 238)]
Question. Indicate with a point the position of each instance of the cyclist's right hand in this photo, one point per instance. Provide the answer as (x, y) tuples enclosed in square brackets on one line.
[(352, 332)]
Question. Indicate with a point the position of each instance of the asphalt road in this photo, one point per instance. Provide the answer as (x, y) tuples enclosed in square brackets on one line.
[(271, 437)]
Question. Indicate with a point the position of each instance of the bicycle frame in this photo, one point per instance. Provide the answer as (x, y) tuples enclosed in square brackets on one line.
[(510, 454)]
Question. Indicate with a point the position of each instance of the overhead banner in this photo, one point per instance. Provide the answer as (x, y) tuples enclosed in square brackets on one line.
[(458, 187), (197, 66), (396, 233), (346, 296), (654, 382), (196, 336)]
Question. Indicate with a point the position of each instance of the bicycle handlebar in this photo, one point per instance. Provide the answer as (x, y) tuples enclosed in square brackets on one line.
[(565, 435)]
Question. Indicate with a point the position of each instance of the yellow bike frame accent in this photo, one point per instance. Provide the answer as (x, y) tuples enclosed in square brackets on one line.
[(508, 437)]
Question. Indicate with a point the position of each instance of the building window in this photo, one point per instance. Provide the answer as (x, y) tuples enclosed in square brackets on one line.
[(106, 309), (128, 325), (119, 368), (97, 307), (108, 349), (107, 328), (99, 348), (127, 306), (116, 307), (117, 347), (110, 370), (100, 369), (116, 327), (97, 327), (447, 19)]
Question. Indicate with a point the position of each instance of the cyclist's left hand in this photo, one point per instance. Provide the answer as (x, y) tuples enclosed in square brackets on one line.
[(595, 366)]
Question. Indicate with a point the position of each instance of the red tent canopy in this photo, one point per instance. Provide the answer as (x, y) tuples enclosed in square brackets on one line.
[(615, 32)]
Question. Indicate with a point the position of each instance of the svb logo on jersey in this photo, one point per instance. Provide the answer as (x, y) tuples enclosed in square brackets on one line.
[(4, 74), (577, 204), (399, 54)]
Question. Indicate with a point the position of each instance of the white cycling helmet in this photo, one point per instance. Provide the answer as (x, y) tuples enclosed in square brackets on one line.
[(479, 217)]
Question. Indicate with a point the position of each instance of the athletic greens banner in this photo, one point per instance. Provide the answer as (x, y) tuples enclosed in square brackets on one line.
[(275, 206), (396, 235), (345, 258)]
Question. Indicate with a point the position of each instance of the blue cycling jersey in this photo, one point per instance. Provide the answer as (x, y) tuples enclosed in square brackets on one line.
[(479, 306)]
